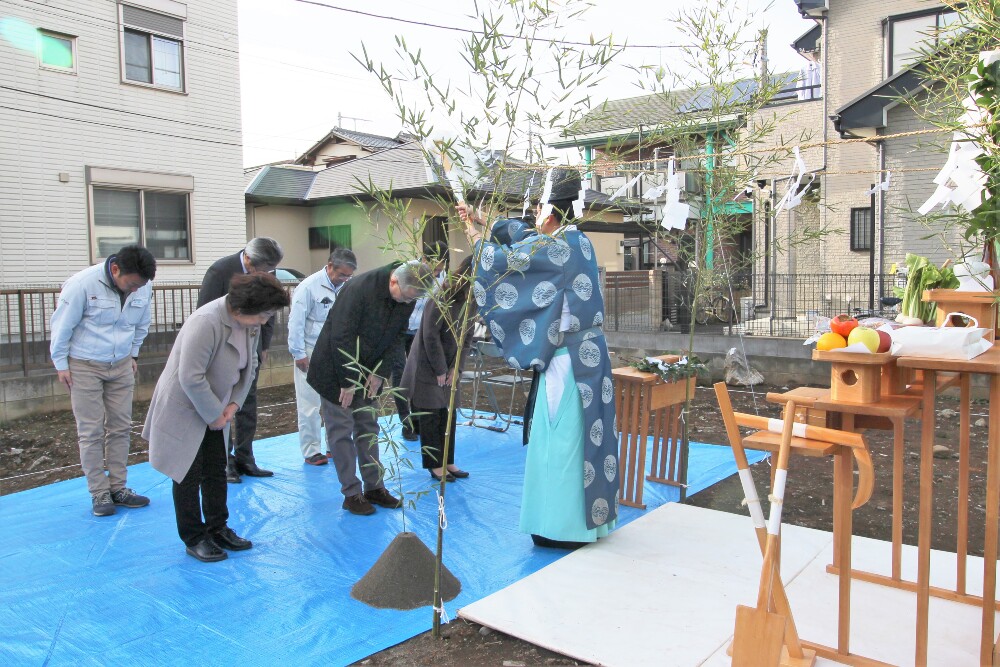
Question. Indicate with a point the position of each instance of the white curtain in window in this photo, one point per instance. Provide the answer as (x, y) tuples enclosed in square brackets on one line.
[(167, 62)]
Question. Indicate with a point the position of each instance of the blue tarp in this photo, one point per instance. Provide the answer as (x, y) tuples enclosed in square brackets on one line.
[(85, 590)]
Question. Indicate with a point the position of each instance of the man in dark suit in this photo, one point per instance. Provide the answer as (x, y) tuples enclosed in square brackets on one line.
[(261, 255), (366, 322)]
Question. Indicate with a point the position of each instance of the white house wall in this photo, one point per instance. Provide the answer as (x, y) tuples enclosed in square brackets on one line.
[(44, 225)]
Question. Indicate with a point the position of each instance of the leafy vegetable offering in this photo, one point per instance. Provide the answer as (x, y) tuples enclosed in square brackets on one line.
[(922, 275)]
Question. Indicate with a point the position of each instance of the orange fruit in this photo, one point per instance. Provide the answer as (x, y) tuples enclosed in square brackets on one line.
[(830, 341)]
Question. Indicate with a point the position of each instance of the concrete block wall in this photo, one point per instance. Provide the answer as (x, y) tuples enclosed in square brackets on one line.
[(42, 392)]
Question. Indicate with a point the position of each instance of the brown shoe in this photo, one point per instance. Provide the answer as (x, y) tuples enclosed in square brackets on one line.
[(383, 498), (358, 505)]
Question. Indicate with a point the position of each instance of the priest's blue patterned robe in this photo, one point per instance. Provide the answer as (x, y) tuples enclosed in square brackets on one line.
[(538, 294)]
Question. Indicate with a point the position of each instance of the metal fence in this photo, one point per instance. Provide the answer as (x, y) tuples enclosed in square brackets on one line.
[(782, 305), (25, 315)]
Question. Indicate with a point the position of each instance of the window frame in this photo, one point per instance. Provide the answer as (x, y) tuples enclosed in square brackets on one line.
[(59, 35), (865, 244), (149, 34), (890, 22), (95, 255)]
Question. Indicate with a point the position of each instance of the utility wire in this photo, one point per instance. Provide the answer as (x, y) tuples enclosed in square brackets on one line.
[(507, 36)]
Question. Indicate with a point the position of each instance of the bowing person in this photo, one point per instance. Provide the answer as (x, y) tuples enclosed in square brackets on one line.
[(206, 379), (430, 369)]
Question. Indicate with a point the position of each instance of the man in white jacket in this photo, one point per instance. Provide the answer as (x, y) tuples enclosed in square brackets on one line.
[(311, 302)]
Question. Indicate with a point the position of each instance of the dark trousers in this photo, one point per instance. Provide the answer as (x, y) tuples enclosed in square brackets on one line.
[(403, 405), (202, 492), (241, 445), (432, 427)]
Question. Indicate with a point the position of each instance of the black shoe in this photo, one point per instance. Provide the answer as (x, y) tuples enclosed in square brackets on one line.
[(383, 498), (228, 539), (556, 544), (410, 435), (437, 478), (460, 474), (207, 551), (357, 504), (232, 474), (251, 470)]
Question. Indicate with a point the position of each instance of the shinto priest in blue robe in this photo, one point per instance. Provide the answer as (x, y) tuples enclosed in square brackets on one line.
[(541, 298)]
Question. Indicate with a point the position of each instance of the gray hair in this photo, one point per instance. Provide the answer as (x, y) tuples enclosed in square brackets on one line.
[(414, 274), (343, 257), (263, 251)]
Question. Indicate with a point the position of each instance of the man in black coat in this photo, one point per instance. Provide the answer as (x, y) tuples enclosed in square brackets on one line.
[(261, 255), (366, 324)]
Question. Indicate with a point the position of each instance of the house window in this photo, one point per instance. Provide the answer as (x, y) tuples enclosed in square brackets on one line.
[(152, 48), (56, 51), (330, 238), (160, 221), (861, 229), (909, 34)]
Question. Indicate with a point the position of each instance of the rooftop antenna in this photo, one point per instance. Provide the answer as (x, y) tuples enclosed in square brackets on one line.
[(341, 117)]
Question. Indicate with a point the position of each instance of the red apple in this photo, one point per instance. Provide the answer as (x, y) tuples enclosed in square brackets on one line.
[(884, 341), (843, 324)]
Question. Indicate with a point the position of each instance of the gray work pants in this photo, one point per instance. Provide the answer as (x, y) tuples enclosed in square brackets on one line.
[(352, 437)]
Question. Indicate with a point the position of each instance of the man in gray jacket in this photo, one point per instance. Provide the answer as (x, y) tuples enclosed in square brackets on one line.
[(98, 327)]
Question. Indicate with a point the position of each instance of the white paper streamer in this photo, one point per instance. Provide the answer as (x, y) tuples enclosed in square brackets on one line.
[(794, 189), (961, 182), (625, 188), (675, 213), (798, 428), (883, 186)]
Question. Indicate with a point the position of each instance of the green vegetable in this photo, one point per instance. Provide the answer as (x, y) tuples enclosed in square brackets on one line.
[(923, 275)]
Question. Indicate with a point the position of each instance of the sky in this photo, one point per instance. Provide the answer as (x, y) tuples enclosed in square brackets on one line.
[(299, 76)]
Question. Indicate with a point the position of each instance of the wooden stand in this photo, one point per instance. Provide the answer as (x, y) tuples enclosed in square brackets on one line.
[(980, 305), (648, 406), (854, 377)]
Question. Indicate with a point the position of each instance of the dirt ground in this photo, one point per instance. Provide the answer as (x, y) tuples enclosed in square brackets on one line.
[(39, 450)]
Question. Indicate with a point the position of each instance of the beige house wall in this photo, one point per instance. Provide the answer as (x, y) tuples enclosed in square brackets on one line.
[(370, 237), (289, 225)]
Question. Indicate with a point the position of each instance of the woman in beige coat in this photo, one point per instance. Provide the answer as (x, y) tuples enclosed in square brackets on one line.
[(206, 379)]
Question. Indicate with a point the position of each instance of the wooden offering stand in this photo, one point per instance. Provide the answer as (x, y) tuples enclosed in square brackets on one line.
[(647, 405), (980, 305), (854, 377)]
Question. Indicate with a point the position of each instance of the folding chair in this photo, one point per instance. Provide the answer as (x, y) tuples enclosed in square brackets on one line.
[(802, 439), (487, 377)]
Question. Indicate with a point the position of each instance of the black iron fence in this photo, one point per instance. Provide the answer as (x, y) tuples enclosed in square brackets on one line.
[(783, 305)]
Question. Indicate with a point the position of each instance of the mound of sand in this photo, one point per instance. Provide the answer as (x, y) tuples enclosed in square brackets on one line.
[(403, 577)]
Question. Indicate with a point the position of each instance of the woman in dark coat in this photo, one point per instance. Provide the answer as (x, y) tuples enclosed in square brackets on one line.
[(206, 379), (430, 369)]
